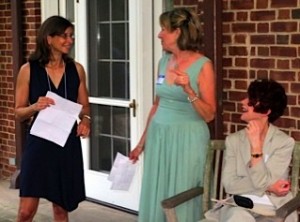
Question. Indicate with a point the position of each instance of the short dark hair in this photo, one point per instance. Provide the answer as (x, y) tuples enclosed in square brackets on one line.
[(189, 24), (265, 95), (54, 25)]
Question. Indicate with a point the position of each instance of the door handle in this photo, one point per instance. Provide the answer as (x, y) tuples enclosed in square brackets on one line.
[(132, 105)]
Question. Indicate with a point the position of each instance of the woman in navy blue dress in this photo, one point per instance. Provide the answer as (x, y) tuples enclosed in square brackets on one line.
[(48, 170)]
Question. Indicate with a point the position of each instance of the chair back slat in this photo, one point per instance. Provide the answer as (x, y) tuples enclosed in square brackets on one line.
[(295, 169), (212, 175)]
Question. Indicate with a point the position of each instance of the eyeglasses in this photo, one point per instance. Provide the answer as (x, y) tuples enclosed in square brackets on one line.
[(66, 35)]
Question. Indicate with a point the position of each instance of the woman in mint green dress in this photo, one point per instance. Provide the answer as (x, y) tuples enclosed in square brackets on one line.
[(176, 136)]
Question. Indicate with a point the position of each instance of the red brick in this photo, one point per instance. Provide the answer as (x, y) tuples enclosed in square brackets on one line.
[(263, 27), (237, 95), (241, 84), (238, 51), (296, 135), (286, 123), (262, 39), (242, 16), (283, 64), (245, 4), (292, 100), (285, 3), (284, 14), (282, 75), (237, 74), (228, 16), (283, 51), (229, 106), (240, 38), (262, 63), (262, 16), (296, 64), (241, 62), (261, 74), (295, 39), (295, 88), (262, 4), (284, 26), (243, 27), (263, 51)]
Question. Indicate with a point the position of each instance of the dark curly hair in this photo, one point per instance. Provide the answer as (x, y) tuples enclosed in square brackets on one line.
[(189, 24), (265, 95)]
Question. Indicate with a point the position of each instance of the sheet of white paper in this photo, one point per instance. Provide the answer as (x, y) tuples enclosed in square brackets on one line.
[(122, 173), (259, 200), (55, 122)]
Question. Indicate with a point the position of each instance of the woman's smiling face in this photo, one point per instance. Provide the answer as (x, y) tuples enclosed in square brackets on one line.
[(248, 112)]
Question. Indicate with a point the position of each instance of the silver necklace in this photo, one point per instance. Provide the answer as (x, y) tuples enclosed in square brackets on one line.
[(65, 81)]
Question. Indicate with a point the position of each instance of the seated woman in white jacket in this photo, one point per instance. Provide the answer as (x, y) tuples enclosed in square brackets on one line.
[(257, 157)]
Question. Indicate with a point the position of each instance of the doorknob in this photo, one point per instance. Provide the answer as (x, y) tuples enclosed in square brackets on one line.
[(132, 105)]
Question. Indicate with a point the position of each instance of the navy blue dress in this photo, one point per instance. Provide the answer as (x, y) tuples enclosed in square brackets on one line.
[(48, 170)]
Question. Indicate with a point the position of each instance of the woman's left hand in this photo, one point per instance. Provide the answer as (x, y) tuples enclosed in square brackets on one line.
[(280, 188), (83, 128), (182, 79)]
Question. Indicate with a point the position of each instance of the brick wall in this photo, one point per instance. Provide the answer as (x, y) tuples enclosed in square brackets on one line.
[(31, 19), (31, 23), (7, 124), (261, 39)]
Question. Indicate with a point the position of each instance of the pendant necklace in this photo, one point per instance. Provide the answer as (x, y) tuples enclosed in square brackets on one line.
[(65, 81)]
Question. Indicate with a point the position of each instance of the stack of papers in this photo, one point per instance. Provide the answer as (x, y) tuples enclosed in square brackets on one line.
[(56, 122)]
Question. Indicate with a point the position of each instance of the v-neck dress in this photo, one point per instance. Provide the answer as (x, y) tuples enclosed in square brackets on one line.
[(175, 149), (48, 170)]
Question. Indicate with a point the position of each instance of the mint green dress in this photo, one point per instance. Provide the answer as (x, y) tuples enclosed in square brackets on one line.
[(175, 149)]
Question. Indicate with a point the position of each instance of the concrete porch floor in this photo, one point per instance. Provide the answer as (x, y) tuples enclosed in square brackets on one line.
[(86, 212)]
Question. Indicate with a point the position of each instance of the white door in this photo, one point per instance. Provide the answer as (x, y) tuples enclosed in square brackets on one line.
[(115, 40)]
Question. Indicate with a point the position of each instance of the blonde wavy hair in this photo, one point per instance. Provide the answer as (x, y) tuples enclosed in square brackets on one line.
[(189, 24)]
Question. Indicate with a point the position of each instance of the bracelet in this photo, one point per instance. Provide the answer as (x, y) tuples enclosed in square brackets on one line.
[(87, 116), (256, 155), (192, 99)]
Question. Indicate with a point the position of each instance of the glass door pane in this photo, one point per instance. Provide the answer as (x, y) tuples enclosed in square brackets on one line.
[(109, 72), (111, 134)]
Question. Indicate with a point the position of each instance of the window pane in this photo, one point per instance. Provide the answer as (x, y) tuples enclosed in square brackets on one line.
[(110, 133), (118, 41), (104, 42), (120, 78), (121, 122), (103, 10), (103, 89), (119, 10)]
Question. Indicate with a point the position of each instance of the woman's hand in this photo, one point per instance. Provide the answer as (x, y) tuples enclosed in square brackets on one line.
[(42, 103), (183, 80), (135, 153), (254, 132), (83, 128), (280, 188)]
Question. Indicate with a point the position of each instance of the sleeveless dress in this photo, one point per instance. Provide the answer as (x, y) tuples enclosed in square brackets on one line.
[(48, 170), (175, 149)]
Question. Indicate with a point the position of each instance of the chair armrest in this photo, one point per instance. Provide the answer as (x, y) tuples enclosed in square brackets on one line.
[(181, 197), (289, 207)]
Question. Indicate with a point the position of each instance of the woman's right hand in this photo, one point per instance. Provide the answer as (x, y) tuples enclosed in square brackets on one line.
[(42, 103), (135, 153)]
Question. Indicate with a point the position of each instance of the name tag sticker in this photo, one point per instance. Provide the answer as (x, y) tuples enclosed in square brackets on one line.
[(160, 79)]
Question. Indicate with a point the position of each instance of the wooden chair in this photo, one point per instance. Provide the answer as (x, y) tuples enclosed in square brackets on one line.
[(212, 186)]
